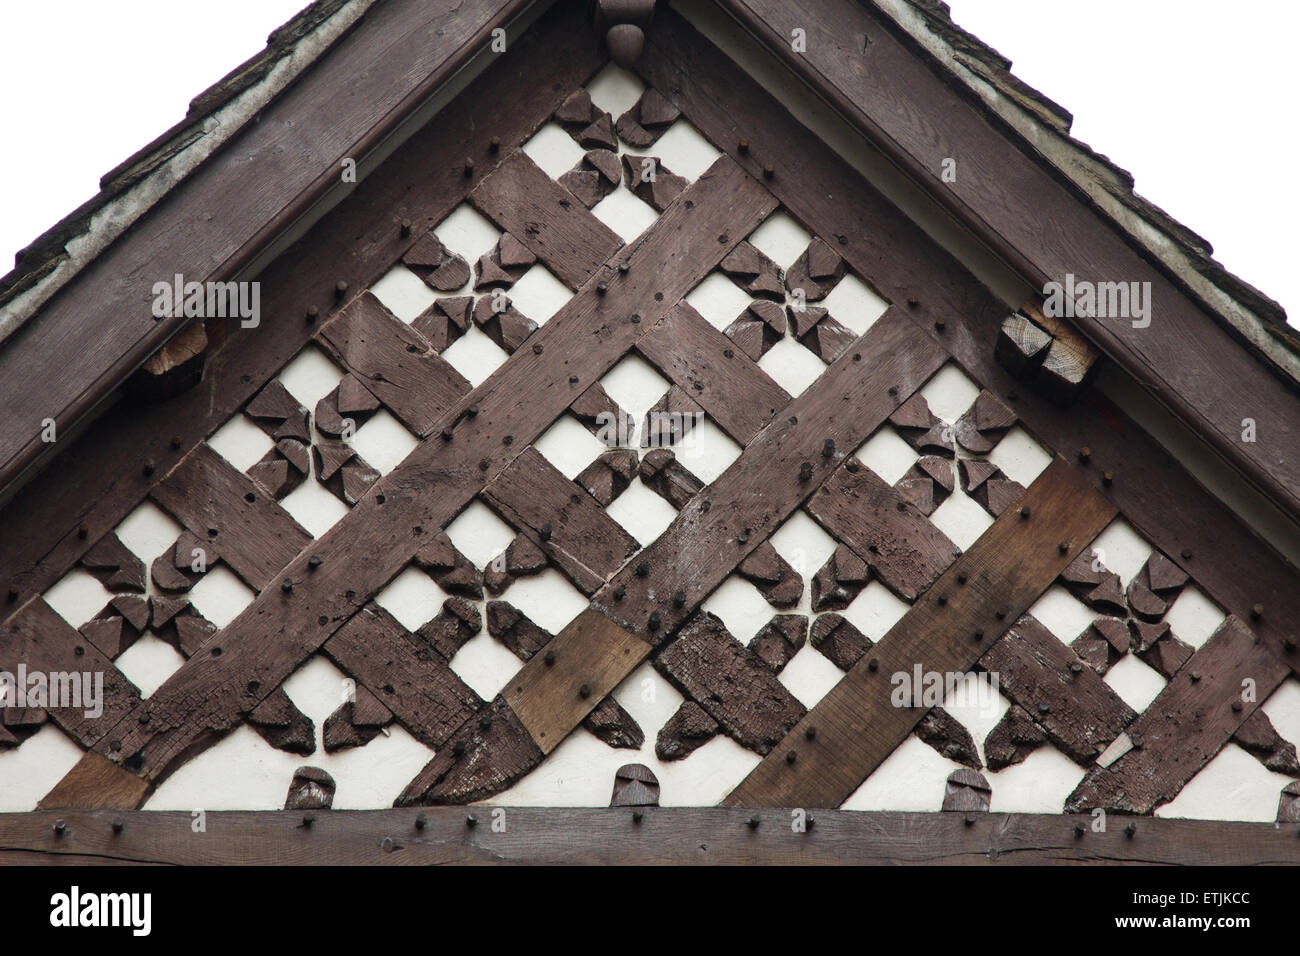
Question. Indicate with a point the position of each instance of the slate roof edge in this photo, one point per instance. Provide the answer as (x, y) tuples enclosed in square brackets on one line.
[(136, 185), (1252, 315)]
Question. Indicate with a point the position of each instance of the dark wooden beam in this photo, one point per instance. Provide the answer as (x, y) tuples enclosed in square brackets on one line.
[(394, 363), (710, 368), (1187, 724), (861, 62), (564, 521), (525, 202), (96, 486), (1154, 490), (645, 603), (248, 528), (261, 647), (356, 95), (663, 836), (856, 725)]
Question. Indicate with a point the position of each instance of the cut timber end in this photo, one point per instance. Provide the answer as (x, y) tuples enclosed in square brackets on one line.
[(1047, 352)]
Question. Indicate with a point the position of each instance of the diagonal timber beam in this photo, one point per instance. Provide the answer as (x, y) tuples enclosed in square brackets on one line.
[(1211, 696), (252, 655), (1156, 494), (652, 596), (856, 726), (542, 214), (96, 486)]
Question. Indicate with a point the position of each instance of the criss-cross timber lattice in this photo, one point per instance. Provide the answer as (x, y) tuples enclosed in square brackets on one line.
[(618, 253)]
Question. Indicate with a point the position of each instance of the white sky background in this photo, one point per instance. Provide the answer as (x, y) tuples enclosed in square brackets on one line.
[(1196, 99)]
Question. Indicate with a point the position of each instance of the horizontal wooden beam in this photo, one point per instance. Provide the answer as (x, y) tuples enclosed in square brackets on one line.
[(661, 836)]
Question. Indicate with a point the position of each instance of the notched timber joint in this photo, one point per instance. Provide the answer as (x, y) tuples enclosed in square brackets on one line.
[(1046, 352)]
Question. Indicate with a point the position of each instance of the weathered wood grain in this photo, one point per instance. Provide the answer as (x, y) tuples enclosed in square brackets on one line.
[(857, 726), (1186, 725), (42, 640), (1079, 712), (712, 370), (252, 533), (731, 682), (97, 783), (1194, 362), (394, 363), (899, 543), (591, 654), (666, 836), (96, 486), (402, 671), (566, 523), (1152, 488), (525, 202), (275, 633), (351, 99)]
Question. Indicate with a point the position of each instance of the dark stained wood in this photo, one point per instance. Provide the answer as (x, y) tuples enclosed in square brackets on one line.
[(668, 478), (526, 203), (1258, 736), (609, 475), (1154, 491), (1200, 369), (42, 640), (779, 640), (356, 722), (1079, 712), (489, 754), (731, 682), (604, 644), (350, 100), (423, 693), (704, 545), (839, 641), (614, 726), (735, 392), (274, 634), (568, 524), (394, 363), (1186, 725), (687, 730), (857, 726), (1014, 738), (254, 535), (96, 486), (900, 544), (948, 737), (282, 725), (670, 836), (772, 575)]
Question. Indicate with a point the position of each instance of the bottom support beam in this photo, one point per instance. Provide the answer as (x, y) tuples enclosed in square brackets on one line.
[(642, 835)]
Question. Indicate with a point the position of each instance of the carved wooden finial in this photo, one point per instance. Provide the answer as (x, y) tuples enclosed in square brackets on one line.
[(623, 24)]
